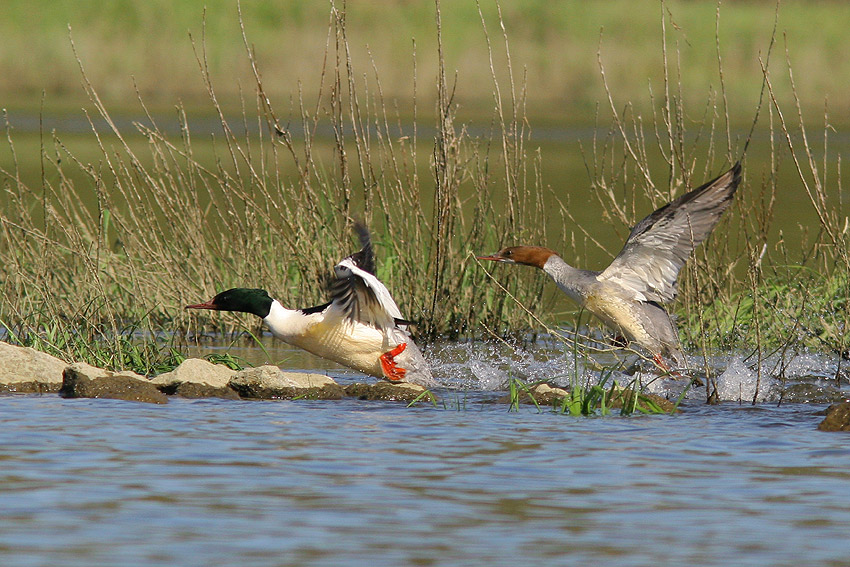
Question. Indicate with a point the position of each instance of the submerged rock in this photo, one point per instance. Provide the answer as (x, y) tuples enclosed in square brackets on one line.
[(624, 398), (28, 371), (537, 394), (815, 391), (193, 390), (270, 382), (837, 418), (82, 380), (545, 395), (197, 378), (389, 391)]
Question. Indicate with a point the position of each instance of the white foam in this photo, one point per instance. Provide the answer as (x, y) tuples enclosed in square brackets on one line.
[(480, 365), (739, 382)]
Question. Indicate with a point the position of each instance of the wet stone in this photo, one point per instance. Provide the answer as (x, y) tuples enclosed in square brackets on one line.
[(624, 397), (538, 394), (387, 391), (270, 382), (194, 390), (837, 418), (28, 371), (547, 395), (811, 392), (195, 371), (84, 381)]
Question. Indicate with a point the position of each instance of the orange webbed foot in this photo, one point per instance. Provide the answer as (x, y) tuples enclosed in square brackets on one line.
[(662, 364), (388, 365)]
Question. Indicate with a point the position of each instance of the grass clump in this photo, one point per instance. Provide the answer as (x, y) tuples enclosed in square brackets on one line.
[(588, 399), (96, 346)]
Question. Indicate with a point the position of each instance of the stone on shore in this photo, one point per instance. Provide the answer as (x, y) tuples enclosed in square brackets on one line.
[(837, 418), (28, 371), (197, 378), (270, 382), (389, 391), (82, 380), (547, 395), (540, 394)]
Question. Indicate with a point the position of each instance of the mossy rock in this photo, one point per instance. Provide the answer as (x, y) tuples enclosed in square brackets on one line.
[(82, 380), (194, 390), (387, 391), (837, 418)]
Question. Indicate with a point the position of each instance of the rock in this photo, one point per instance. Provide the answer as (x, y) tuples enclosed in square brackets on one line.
[(543, 394), (390, 391), (194, 390), (547, 395), (811, 392), (837, 418), (197, 378), (26, 370), (624, 397), (270, 382), (82, 380)]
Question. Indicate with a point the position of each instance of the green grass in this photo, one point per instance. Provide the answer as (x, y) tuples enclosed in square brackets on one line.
[(586, 399), (794, 307), (132, 348)]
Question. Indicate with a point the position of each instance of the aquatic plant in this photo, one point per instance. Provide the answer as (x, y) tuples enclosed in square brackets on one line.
[(589, 399)]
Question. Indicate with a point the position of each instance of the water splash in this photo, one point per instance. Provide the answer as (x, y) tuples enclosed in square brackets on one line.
[(741, 383), (489, 366)]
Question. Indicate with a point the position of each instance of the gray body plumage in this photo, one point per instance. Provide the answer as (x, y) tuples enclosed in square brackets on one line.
[(628, 294)]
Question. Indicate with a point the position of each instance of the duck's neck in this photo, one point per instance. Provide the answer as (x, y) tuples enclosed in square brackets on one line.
[(572, 281), (286, 324)]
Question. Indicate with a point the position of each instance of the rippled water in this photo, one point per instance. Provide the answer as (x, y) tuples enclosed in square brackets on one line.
[(219, 482)]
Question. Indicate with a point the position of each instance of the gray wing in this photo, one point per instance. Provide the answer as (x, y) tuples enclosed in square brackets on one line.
[(660, 244)]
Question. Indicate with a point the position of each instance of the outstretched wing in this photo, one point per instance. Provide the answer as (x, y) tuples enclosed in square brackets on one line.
[(660, 244), (359, 293)]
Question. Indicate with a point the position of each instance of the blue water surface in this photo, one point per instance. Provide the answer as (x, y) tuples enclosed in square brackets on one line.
[(93, 482)]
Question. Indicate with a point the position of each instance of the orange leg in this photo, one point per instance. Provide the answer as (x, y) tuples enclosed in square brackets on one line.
[(662, 364), (388, 365)]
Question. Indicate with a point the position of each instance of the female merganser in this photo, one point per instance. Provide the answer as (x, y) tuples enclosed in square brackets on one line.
[(627, 295), (361, 327)]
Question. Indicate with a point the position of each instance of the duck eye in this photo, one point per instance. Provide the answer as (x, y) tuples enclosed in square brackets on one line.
[(509, 252)]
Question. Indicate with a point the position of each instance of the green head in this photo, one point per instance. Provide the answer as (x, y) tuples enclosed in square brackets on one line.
[(241, 299)]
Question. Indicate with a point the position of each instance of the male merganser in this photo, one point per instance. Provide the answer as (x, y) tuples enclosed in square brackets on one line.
[(627, 295), (361, 327)]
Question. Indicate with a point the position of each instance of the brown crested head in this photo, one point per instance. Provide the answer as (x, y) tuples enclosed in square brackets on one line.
[(529, 255)]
